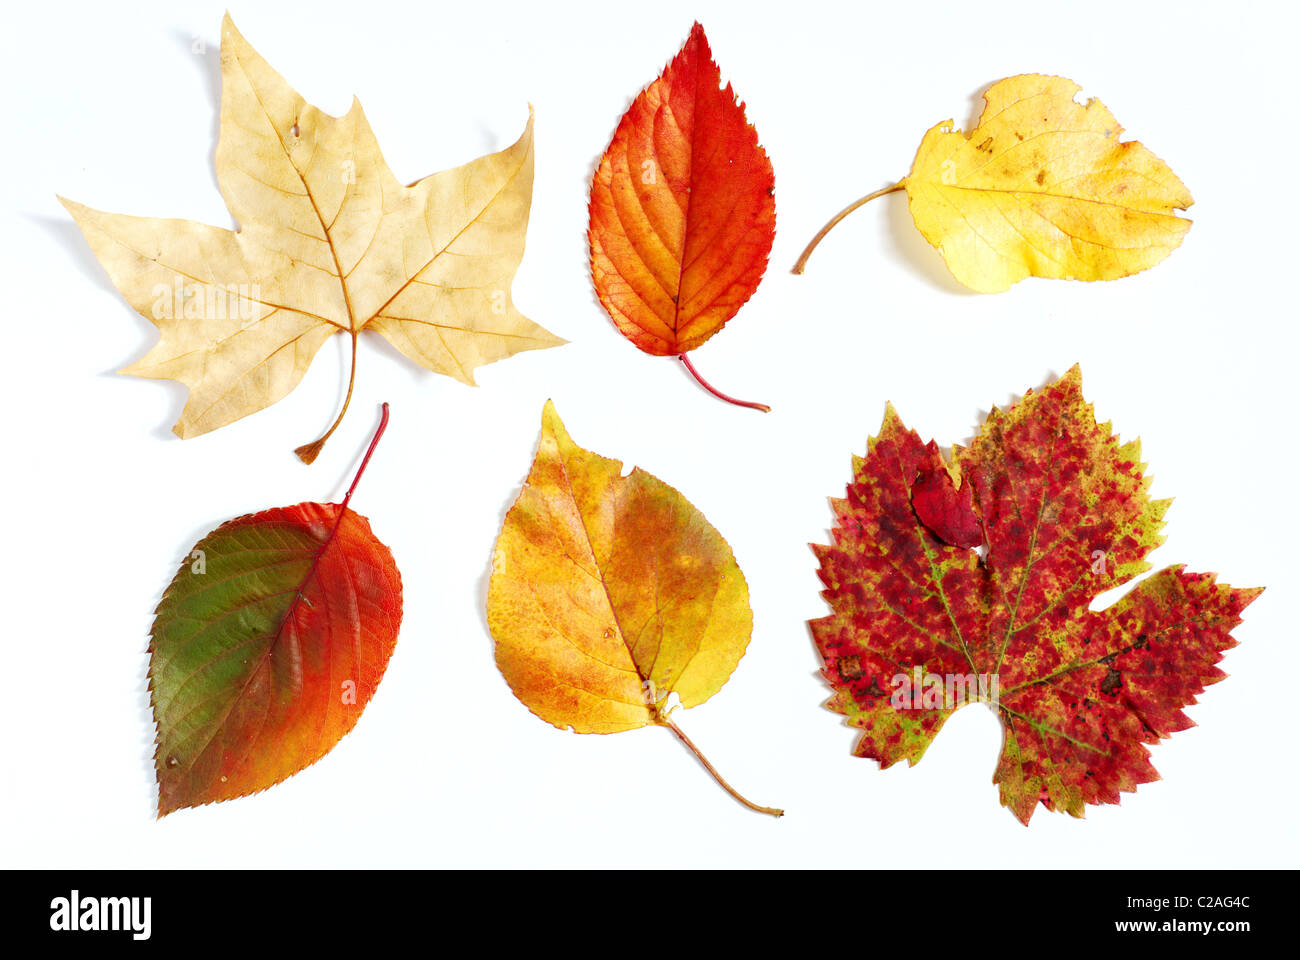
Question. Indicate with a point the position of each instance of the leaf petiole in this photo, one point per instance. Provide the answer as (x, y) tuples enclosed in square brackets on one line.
[(686, 362), (662, 719), (308, 452), (379, 432), (812, 245), (343, 509)]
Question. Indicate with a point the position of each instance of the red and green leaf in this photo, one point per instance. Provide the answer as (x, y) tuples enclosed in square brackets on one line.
[(267, 646), (1061, 510)]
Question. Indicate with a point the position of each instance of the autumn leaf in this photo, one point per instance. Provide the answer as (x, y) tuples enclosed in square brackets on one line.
[(329, 242), (1044, 187), (922, 624), (268, 644), (609, 593), (682, 211)]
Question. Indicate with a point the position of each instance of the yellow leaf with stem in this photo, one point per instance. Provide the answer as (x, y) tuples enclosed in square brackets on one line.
[(609, 593), (1043, 186)]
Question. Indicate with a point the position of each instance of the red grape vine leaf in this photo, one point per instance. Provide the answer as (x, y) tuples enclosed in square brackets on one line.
[(922, 624)]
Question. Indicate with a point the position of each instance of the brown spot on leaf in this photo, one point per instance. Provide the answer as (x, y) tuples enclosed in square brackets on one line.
[(1112, 682)]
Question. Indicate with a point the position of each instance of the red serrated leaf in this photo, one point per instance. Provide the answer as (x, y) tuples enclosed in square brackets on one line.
[(682, 209), (922, 625), (266, 647)]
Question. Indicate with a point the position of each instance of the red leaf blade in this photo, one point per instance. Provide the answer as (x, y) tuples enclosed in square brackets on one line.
[(682, 209)]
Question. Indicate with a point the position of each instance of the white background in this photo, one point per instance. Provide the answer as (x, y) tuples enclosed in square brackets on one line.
[(446, 767)]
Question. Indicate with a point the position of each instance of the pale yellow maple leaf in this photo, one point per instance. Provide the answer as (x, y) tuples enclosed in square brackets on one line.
[(328, 242)]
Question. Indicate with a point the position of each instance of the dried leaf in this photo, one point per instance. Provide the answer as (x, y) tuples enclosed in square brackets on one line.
[(1043, 186), (611, 593), (266, 647), (682, 210), (921, 627), (329, 242)]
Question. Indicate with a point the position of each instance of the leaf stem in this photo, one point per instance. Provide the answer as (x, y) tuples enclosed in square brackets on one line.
[(663, 720), (365, 461), (812, 245), (308, 452), (686, 361), (343, 509)]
